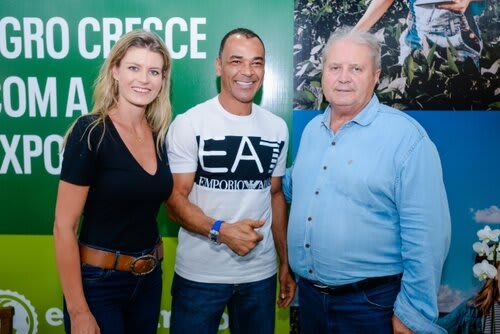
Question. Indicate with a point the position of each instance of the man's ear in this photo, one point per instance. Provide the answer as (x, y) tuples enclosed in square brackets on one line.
[(218, 66)]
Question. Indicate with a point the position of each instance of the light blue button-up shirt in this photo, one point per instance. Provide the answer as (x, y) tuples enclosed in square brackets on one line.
[(369, 200)]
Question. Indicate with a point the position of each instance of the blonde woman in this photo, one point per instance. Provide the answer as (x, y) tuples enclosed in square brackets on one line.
[(114, 177), (477, 315), (481, 313)]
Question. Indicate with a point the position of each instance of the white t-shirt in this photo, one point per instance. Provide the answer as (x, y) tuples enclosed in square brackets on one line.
[(234, 158)]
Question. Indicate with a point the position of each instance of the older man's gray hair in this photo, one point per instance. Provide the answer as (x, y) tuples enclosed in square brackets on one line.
[(363, 38)]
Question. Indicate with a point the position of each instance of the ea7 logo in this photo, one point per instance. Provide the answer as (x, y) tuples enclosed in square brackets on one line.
[(25, 318), (238, 157)]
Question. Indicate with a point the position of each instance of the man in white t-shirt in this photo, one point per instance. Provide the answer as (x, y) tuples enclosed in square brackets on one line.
[(227, 156)]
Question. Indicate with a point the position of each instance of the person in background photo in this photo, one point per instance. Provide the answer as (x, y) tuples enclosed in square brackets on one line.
[(481, 313), (227, 157), (434, 22), (115, 176), (369, 226)]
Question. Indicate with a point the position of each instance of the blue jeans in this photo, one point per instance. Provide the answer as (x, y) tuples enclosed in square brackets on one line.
[(120, 301), (365, 311), (197, 307)]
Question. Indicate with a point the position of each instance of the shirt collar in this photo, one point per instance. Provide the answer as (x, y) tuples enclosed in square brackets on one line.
[(364, 118)]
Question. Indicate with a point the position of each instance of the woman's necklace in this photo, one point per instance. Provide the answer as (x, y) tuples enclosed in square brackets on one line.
[(138, 138)]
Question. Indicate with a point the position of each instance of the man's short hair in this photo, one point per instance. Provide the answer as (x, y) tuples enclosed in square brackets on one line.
[(363, 38), (241, 31)]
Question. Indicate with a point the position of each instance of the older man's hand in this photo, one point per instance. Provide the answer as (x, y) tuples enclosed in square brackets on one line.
[(398, 327)]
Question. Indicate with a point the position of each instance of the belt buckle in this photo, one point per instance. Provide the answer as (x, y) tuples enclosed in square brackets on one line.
[(324, 289), (151, 262)]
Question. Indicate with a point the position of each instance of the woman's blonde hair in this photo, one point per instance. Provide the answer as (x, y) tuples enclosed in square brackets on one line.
[(159, 112)]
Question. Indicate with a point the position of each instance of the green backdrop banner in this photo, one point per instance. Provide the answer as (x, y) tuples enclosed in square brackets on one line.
[(50, 54)]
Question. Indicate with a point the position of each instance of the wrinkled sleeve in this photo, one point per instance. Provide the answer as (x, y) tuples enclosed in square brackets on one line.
[(425, 236), (287, 184), (306, 140)]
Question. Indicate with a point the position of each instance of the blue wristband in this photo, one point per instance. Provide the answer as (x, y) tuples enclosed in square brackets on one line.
[(214, 232)]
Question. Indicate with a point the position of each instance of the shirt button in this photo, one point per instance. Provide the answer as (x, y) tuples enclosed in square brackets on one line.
[(309, 218), (310, 271), (307, 245), (324, 167), (316, 192), (333, 143)]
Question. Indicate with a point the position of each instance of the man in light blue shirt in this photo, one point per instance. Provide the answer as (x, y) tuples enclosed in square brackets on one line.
[(369, 226)]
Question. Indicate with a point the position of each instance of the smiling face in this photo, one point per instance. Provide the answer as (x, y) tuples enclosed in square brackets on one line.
[(349, 76), (241, 71), (139, 77)]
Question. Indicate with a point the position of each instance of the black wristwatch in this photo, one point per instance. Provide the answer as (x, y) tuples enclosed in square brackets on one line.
[(214, 232)]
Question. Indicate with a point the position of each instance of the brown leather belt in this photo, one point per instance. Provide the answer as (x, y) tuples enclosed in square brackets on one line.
[(141, 265)]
